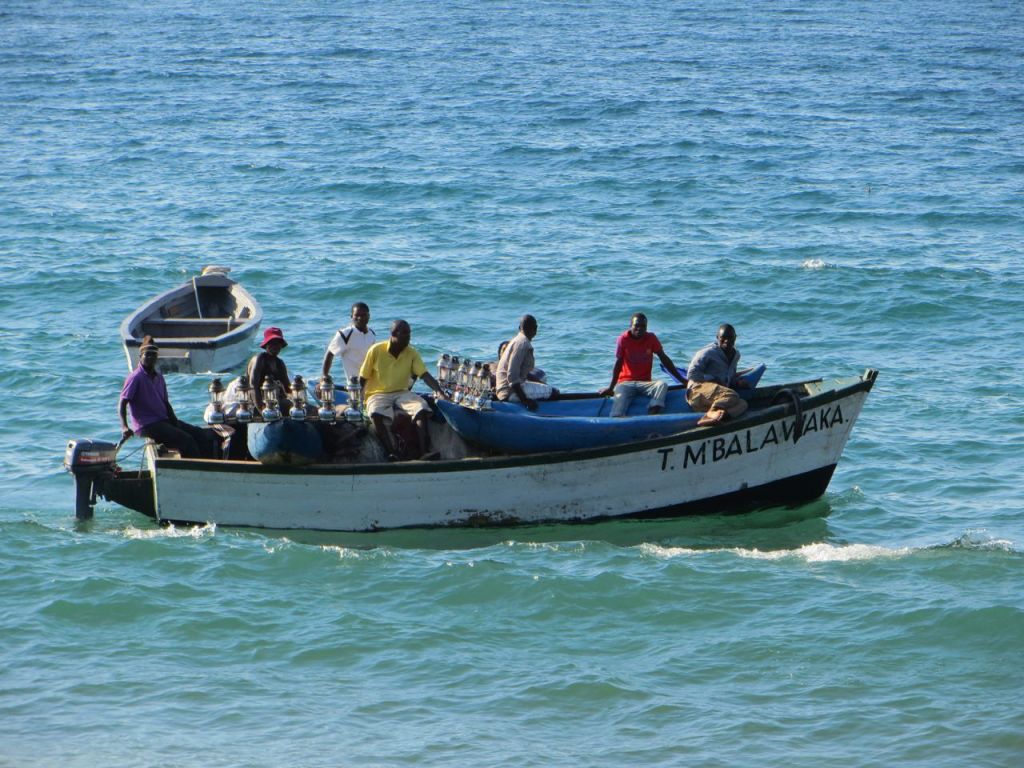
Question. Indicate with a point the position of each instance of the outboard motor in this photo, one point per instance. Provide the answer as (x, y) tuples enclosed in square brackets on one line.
[(89, 461)]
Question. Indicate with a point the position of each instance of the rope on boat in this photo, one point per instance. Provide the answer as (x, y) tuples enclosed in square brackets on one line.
[(798, 410)]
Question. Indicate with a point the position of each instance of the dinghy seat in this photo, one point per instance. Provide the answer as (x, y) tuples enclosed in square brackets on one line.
[(188, 327)]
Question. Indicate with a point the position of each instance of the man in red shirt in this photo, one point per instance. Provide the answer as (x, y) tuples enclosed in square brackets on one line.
[(634, 356)]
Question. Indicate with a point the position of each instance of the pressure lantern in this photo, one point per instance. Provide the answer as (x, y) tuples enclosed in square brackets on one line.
[(244, 401), (299, 399), (215, 409), (326, 392), (271, 411)]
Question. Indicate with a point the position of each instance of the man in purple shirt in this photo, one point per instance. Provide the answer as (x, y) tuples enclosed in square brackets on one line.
[(151, 413)]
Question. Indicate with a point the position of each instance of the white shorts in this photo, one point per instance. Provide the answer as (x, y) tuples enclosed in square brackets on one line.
[(384, 404), (533, 390)]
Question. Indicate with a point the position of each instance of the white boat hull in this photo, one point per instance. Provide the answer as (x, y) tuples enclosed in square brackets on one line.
[(176, 358), (753, 462)]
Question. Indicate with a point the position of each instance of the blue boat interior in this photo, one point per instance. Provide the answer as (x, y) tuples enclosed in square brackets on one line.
[(591, 406), (595, 406), (572, 422)]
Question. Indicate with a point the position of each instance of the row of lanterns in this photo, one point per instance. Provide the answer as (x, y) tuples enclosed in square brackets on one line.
[(243, 409), (466, 382)]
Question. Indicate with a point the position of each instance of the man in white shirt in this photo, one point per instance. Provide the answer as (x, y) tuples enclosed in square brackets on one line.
[(351, 343)]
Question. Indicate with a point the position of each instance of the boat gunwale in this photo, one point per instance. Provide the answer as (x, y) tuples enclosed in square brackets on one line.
[(473, 464)]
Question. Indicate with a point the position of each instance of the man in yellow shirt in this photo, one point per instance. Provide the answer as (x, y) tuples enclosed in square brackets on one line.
[(387, 370)]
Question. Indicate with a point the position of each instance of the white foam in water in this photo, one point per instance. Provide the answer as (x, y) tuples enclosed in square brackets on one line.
[(355, 553), (811, 553), (980, 539), (171, 532), (814, 264), (829, 553)]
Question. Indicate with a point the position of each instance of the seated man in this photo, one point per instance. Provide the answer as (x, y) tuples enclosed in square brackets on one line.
[(536, 374), (713, 379), (152, 415), (387, 369), (514, 378), (269, 365), (634, 358)]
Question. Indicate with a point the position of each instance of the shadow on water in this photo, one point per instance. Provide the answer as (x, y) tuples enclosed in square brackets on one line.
[(767, 530)]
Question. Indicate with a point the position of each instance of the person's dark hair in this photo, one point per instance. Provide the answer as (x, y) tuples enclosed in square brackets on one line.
[(726, 330), (638, 315), (359, 305), (396, 324)]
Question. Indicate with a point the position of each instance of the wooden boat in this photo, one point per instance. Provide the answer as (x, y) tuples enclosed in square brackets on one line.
[(573, 422), (782, 452), (205, 325)]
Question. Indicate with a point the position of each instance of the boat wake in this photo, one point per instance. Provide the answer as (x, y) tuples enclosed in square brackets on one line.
[(170, 532), (823, 552), (980, 541), (810, 553)]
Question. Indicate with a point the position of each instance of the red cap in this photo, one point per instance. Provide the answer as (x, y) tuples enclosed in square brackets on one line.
[(272, 333)]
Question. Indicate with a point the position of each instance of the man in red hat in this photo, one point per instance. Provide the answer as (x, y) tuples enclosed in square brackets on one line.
[(152, 416), (269, 365)]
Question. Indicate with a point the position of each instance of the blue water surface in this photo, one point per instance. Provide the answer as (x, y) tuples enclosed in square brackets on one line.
[(842, 181)]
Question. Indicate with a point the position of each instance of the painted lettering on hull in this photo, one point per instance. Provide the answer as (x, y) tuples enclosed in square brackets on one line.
[(722, 448)]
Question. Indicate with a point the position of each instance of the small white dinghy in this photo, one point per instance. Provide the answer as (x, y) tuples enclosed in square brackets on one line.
[(205, 325)]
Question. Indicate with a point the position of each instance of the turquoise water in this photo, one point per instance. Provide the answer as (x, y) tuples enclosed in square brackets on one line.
[(841, 181)]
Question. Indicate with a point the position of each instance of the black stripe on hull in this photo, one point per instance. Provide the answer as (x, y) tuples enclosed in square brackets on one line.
[(787, 492)]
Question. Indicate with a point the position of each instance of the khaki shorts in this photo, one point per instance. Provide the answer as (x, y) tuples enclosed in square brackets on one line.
[(385, 403), (708, 395)]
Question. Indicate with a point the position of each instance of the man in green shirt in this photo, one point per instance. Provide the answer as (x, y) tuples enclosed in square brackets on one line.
[(386, 375)]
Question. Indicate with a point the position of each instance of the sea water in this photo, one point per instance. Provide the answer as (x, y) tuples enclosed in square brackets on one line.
[(842, 181)]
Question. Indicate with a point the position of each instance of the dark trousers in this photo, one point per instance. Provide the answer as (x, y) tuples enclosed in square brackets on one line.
[(190, 441)]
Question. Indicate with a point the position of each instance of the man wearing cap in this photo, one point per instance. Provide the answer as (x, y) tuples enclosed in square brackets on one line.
[(351, 343), (634, 358), (714, 381), (268, 365), (385, 375), (151, 413)]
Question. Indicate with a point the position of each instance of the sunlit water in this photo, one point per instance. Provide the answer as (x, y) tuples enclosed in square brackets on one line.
[(841, 181)]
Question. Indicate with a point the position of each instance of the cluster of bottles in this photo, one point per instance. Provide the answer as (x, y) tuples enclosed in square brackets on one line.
[(465, 382), (242, 409)]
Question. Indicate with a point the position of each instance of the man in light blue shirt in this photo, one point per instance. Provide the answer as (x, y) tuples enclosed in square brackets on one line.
[(713, 380)]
